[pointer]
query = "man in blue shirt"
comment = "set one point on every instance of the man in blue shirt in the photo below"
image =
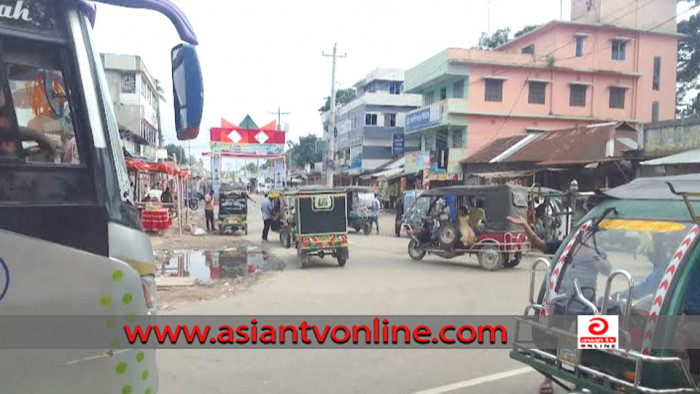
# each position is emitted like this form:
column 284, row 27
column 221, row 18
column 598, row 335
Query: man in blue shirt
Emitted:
column 266, row 208
column 376, row 206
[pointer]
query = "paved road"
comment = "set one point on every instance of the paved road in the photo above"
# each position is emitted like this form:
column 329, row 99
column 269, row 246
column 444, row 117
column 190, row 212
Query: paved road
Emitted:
column 380, row 279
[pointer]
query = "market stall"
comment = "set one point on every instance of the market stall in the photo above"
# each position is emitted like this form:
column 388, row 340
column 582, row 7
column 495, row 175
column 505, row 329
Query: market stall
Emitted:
column 157, row 215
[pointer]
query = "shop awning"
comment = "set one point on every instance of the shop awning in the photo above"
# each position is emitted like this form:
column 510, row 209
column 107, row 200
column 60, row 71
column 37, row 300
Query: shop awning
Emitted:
column 165, row 168
column 388, row 173
column 503, row 174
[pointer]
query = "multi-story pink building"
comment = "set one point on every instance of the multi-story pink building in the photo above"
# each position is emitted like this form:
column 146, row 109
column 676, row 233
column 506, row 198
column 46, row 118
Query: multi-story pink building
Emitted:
column 615, row 60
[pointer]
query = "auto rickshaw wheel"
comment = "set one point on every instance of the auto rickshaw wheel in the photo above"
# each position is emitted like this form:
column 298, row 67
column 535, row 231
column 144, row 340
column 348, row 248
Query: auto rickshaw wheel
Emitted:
column 490, row 258
column 341, row 261
column 285, row 238
column 302, row 258
column 447, row 233
column 415, row 251
column 367, row 228
column 516, row 260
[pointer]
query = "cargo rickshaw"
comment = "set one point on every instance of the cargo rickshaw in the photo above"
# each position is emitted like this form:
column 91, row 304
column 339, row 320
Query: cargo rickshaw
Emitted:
column 233, row 211
column 320, row 226
column 642, row 239
column 360, row 214
column 471, row 220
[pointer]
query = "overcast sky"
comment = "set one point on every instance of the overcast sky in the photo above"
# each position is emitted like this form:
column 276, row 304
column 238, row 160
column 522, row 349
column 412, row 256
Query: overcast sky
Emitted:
column 258, row 55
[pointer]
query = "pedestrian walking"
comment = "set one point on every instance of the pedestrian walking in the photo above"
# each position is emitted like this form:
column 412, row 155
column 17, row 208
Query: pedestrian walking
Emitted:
column 267, row 209
column 376, row 206
column 209, row 210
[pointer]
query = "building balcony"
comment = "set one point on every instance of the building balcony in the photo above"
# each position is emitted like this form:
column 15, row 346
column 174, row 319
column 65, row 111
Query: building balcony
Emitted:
column 436, row 115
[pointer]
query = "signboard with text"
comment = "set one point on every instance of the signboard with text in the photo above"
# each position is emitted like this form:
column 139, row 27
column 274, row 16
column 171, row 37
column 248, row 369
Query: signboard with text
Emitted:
column 398, row 145
column 422, row 118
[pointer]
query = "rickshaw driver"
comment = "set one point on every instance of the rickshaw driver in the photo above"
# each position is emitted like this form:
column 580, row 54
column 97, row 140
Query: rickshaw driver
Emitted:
column 584, row 268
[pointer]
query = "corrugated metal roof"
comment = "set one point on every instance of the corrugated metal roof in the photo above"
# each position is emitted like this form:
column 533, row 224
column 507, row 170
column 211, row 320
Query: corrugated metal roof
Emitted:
column 575, row 146
column 688, row 157
column 494, row 149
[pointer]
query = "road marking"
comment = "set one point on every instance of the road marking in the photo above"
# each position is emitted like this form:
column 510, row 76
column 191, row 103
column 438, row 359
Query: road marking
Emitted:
column 477, row 381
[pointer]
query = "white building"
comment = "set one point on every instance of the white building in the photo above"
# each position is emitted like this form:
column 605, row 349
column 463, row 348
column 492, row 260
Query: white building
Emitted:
column 136, row 101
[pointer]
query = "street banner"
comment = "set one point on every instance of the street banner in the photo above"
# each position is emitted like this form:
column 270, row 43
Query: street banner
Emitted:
column 247, row 139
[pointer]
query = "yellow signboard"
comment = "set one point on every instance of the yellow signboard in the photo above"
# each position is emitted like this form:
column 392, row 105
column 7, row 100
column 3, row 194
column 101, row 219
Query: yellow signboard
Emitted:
column 641, row 225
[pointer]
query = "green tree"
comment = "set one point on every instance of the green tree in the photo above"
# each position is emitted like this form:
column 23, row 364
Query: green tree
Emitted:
column 304, row 152
column 342, row 97
column 687, row 97
column 251, row 168
column 498, row 38
column 178, row 152
column 525, row 30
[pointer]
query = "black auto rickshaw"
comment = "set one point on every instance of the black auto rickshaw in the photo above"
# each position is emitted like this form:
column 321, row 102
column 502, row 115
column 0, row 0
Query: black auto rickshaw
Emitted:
column 471, row 220
column 645, row 235
column 360, row 215
column 320, row 225
column 233, row 211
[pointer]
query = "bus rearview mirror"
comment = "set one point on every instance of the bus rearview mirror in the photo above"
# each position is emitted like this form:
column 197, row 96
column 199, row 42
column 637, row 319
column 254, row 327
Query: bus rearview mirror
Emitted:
column 188, row 91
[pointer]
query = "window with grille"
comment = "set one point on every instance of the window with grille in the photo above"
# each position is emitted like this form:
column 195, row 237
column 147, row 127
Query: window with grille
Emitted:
column 619, row 49
column 537, row 92
column 457, row 138
column 128, row 83
column 579, row 46
column 395, row 87
column 577, row 96
column 389, row 120
column 458, row 89
column 656, row 82
column 617, row 98
column 494, row 90
column 371, row 119
column 528, row 50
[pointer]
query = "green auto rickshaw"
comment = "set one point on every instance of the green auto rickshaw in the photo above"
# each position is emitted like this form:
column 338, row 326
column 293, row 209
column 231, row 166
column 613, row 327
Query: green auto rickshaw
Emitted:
column 640, row 241
column 233, row 211
column 319, row 225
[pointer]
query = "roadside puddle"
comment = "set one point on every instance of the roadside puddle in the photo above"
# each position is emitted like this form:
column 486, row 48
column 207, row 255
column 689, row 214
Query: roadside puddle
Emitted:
column 207, row 267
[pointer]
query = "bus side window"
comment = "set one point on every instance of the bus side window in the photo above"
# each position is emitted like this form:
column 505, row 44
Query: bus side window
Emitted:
column 41, row 103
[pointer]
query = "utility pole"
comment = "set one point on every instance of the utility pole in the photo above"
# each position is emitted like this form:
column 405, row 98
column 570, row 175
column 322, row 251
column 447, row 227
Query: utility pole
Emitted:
column 279, row 114
column 331, row 135
column 488, row 28
column 561, row 10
